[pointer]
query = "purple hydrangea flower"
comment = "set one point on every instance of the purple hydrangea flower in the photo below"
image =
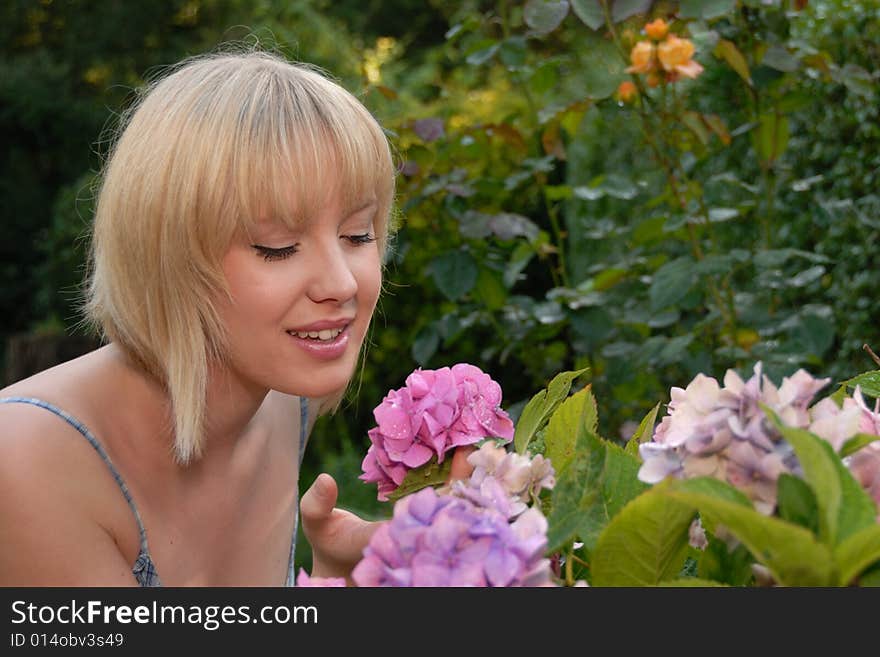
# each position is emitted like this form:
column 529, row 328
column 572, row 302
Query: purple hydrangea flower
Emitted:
column 444, row 540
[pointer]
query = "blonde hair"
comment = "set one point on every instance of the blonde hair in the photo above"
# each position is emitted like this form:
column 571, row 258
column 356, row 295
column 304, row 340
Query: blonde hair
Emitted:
column 221, row 141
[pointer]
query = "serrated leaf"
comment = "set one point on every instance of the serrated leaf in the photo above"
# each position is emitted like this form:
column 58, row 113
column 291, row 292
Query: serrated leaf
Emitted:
column 429, row 474
column 590, row 12
column 573, row 417
column 541, row 406
column 593, row 487
column 643, row 433
column 645, row 543
column 791, row 553
column 857, row 553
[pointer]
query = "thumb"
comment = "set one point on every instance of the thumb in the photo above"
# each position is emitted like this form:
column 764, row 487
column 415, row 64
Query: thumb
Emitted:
column 320, row 499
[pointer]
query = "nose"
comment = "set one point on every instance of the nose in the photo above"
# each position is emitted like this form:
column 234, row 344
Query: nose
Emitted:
column 332, row 277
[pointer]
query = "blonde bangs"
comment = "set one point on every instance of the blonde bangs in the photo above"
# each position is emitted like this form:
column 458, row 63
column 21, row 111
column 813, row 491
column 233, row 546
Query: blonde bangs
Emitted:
column 289, row 163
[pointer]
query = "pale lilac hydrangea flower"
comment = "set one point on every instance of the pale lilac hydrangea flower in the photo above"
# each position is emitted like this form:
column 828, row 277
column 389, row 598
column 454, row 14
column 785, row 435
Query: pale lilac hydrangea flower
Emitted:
column 435, row 412
column 506, row 481
column 443, row 540
column 723, row 433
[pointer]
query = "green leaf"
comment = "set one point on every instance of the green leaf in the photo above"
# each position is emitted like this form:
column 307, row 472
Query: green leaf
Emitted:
column 541, row 406
column 576, row 415
column 590, row 12
column 854, row 444
column 643, row 433
column 705, row 8
column 606, row 67
column 857, row 553
column 779, row 58
column 425, row 344
column 690, row 582
column 429, row 474
column 728, row 51
column 593, row 487
column 645, row 543
column 844, row 507
column 544, row 16
column 796, row 502
column 771, row 137
column 791, row 553
column 671, row 283
column 623, row 9
column 722, row 564
column 489, row 290
column 694, row 121
column 868, row 382
column 455, row 273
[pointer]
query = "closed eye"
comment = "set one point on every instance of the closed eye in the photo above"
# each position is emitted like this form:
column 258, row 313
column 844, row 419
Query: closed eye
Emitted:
column 269, row 254
column 363, row 238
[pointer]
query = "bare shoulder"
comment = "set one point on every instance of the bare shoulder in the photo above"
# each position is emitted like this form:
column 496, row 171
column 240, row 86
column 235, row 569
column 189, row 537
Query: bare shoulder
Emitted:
column 60, row 514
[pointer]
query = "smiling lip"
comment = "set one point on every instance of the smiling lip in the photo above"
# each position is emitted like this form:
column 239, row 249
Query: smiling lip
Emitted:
column 323, row 349
column 323, row 324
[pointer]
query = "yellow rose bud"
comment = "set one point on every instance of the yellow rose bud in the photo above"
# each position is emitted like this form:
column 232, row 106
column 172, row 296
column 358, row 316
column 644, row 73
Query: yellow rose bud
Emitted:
column 675, row 52
column 627, row 91
column 642, row 58
column 657, row 29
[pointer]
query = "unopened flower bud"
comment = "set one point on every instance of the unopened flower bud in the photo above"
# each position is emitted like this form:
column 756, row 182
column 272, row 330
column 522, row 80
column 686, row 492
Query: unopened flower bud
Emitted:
column 657, row 29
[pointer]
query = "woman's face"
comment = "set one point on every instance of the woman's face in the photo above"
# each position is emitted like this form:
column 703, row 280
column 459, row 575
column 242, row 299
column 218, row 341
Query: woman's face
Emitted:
column 301, row 301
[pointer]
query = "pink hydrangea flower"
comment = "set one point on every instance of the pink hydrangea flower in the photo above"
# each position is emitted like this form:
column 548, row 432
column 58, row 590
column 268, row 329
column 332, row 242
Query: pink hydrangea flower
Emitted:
column 435, row 412
column 305, row 580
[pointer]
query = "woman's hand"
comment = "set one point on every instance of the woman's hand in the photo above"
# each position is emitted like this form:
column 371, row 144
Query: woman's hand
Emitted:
column 338, row 537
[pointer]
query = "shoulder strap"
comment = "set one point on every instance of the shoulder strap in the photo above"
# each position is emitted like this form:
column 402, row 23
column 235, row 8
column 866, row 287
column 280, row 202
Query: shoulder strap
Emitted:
column 303, row 439
column 79, row 426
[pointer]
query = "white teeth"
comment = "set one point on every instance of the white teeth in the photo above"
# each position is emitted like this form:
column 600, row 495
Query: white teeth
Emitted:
column 325, row 335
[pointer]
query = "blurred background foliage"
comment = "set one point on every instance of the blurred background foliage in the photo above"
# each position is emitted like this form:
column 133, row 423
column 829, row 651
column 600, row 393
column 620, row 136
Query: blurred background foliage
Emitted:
column 543, row 223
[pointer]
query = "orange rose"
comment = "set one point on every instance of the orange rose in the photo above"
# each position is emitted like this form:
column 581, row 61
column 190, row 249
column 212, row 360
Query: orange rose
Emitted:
column 657, row 29
column 627, row 91
column 675, row 57
column 642, row 58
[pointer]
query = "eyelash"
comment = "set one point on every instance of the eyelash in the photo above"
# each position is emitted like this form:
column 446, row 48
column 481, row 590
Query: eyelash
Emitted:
column 270, row 254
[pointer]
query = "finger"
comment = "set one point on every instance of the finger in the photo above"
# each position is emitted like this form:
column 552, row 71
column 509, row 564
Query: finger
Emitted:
column 320, row 499
column 461, row 468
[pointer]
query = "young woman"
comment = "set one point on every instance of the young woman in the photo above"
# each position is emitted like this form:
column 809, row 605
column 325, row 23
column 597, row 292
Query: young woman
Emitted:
column 236, row 262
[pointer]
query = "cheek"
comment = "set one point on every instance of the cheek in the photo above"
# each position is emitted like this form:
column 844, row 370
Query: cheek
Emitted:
column 369, row 281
